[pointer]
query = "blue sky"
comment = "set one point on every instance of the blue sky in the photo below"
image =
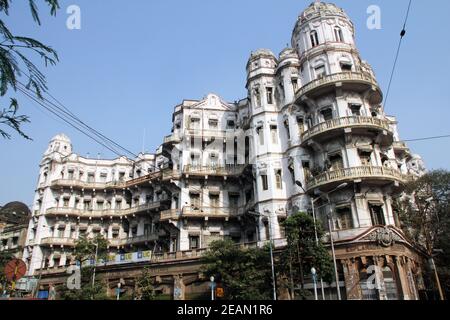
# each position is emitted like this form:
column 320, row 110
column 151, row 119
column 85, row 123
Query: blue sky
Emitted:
column 133, row 61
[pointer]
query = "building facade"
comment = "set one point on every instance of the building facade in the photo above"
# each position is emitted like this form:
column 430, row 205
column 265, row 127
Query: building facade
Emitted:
column 14, row 219
column 310, row 136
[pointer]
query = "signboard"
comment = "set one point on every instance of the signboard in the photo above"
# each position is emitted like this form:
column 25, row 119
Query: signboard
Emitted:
column 114, row 259
column 15, row 269
column 220, row 292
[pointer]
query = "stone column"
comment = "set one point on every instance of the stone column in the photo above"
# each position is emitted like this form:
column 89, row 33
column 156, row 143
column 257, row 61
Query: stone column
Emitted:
column 351, row 276
column 403, row 277
column 178, row 288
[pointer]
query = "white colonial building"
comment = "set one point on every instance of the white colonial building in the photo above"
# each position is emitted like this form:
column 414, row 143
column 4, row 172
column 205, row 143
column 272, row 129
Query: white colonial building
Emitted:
column 311, row 128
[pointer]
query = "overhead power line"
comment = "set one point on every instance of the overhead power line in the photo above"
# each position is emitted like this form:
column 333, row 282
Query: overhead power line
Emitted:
column 402, row 34
column 428, row 138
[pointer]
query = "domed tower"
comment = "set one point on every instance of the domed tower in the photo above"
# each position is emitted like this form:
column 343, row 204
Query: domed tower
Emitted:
column 352, row 175
column 59, row 144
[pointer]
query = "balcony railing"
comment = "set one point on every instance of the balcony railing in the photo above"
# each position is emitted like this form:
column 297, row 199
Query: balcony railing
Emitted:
column 172, row 214
column 232, row 170
column 337, row 77
column 74, row 183
column 173, row 138
column 105, row 213
column 210, row 133
column 53, row 241
column 355, row 173
column 210, row 212
column 345, row 122
column 133, row 240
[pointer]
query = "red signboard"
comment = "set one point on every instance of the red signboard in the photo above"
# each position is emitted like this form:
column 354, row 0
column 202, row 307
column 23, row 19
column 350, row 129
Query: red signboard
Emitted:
column 15, row 269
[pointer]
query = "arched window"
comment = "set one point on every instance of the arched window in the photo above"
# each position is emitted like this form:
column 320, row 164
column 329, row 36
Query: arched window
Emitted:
column 390, row 284
column 314, row 38
column 338, row 35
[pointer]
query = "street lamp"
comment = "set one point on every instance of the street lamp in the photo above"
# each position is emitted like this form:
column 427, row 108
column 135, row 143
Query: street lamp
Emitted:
column 271, row 250
column 119, row 285
column 213, row 285
column 95, row 264
column 314, row 274
column 329, row 216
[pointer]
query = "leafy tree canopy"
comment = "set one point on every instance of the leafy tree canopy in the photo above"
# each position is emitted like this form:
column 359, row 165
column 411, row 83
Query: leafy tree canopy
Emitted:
column 245, row 274
column 16, row 62
column 85, row 248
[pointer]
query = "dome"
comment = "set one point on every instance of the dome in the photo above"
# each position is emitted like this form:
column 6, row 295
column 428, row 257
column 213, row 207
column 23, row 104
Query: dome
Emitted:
column 288, row 53
column 61, row 137
column 15, row 211
column 321, row 8
column 262, row 52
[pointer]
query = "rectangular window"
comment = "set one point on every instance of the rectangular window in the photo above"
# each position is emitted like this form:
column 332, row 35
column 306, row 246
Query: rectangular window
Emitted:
column 320, row 72
column 336, row 162
column 377, row 215
column 327, row 114
column 70, row 176
column 344, row 220
column 278, row 179
column 265, row 183
column 295, row 84
column 274, row 134
column 269, row 95
column 286, row 126
column 365, row 158
column 338, row 35
column 314, row 38
column 87, row 205
column 260, row 133
column 301, row 124
column 234, row 201
column 194, row 242
column 214, row 200
column 103, row 176
column 91, row 177
column 66, row 202
column 195, row 201
column 355, row 109
column 100, row 205
column 195, row 123
column 231, row 124
column 213, row 123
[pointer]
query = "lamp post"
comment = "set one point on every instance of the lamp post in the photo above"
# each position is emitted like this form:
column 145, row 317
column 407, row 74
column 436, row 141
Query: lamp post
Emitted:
column 119, row 285
column 314, row 274
column 271, row 250
column 213, row 285
column 95, row 264
column 330, row 229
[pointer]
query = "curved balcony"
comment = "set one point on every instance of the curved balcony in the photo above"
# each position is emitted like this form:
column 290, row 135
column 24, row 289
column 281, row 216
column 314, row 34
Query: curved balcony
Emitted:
column 357, row 124
column 71, row 212
column 133, row 241
column 205, row 171
column 357, row 81
column 78, row 184
column 209, row 212
column 171, row 214
column 377, row 175
column 172, row 139
column 63, row 242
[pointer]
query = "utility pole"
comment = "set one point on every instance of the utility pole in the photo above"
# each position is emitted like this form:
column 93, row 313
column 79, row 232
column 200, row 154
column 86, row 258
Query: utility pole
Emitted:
column 95, row 265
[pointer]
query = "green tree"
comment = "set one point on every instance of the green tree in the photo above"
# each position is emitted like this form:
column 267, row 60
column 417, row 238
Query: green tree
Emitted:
column 5, row 257
column 16, row 62
column 425, row 218
column 244, row 273
column 85, row 249
column 145, row 285
column 87, row 291
column 303, row 251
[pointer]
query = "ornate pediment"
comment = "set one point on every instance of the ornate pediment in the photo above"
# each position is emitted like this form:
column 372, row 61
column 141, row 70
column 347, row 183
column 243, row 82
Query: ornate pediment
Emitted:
column 213, row 102
column 384, row 236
